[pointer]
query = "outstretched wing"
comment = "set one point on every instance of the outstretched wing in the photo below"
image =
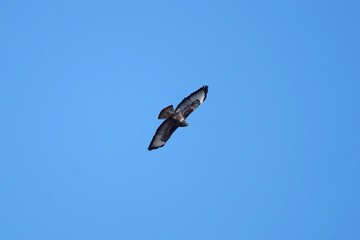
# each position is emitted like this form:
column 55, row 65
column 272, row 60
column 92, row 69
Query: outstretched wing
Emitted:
column 191, row 102
column 162, row 134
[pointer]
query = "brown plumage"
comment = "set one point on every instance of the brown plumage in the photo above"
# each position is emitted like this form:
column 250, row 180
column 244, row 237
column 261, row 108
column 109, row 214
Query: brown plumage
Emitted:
column 176, row 118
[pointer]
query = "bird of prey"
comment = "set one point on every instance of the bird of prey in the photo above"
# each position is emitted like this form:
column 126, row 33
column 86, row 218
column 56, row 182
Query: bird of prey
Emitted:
column 176, row 118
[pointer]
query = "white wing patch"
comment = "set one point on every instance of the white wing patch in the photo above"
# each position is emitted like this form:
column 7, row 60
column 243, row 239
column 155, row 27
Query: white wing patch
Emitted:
column 162, row 134
column 199, row 95
column 157, row 142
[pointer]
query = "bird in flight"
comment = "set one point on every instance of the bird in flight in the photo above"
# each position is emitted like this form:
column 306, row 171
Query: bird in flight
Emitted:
column 176, row 118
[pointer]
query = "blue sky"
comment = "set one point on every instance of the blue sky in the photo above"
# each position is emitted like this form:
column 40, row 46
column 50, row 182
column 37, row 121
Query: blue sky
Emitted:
column 273, row 153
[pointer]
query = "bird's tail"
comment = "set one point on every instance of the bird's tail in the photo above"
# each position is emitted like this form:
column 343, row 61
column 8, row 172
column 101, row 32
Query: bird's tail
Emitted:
column 166, row 112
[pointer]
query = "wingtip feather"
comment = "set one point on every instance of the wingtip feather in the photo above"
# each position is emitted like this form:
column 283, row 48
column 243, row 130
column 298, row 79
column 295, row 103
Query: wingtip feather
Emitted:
column 205, row 87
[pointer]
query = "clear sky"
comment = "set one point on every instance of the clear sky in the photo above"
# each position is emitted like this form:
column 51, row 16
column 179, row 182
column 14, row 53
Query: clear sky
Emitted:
column 273, row 152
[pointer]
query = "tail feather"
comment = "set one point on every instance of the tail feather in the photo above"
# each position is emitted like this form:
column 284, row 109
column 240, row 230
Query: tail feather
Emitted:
column 166, row 112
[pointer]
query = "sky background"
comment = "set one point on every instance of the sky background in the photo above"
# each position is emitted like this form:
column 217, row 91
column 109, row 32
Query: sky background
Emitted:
column 273, row 152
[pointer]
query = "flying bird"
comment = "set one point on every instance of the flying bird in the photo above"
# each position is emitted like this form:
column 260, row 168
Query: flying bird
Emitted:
column 176, row 118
